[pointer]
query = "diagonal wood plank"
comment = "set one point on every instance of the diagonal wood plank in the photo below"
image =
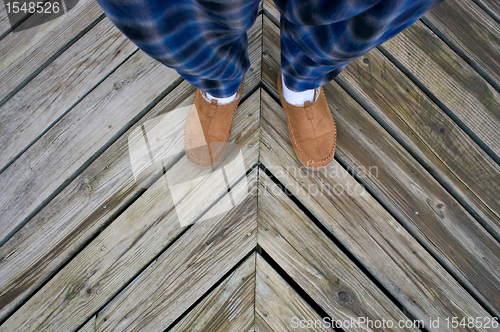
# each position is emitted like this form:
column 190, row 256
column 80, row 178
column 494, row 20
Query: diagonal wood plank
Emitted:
column 471, row 31
column 89, row 326
column 429, row 133
column 450, row 80
column 23, row 52
column 373, row 236
column 134, row 239
column 316, row 263
column 229, row 307
column 492, row 7
column 4, row 20
column 183, row 273
column 95, row 121
column 261, row 325
column 76, row 214
column 279, row 305
column 65, row 224
column 59, row 86
column 404, row 187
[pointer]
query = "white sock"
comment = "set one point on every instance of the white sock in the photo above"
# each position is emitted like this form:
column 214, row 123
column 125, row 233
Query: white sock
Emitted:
column 222, row 101
column 296, row 98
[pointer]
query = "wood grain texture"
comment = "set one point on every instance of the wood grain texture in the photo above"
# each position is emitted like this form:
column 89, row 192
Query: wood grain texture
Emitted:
column 492, row 7
column 229, row 307
column 183, row 273
column 271, row 11
column 451, row 80
column 366, row 229
column 279, row 304
column 134, row 239
column 59, row 86
column 63, row 149
column 471, row 30
column 89, row 326
column 316, row 264
column 428, row 132
column 86, row 205
column 76, row 214
column 406, row 188
column 261, row 325
column 4, row 20
column 16, row 19
column 24, row 52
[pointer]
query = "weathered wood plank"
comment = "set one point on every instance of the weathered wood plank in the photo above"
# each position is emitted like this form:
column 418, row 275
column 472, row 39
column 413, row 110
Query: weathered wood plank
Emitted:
column 279, row 305
column 271, row 11
column 16, row 19
column 24, row 52
column 59, row 230
column 229, row 307
column 451, row 80
column 89, row 326
column 316, row 263
column 139, row 235
column 205, row 253
column 405, row 187
column 93, row 122
column 471, row 30
column 4, row 20
column 428, row 132
column 59, row 86
column 369, row 232
column 261, row 325
column 77, row 213
column 492, row 7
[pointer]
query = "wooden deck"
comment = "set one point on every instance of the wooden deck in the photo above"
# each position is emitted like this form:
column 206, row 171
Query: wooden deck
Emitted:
column 404, row 225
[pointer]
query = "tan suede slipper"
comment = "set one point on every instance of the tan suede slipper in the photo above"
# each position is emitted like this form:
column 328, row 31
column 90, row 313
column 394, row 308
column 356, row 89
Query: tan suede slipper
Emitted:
column 312, row 129
column 208, row 128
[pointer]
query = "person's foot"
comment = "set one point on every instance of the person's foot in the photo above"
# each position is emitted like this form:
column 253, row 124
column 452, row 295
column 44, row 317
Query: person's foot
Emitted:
column 208, row 128
column 311, row 128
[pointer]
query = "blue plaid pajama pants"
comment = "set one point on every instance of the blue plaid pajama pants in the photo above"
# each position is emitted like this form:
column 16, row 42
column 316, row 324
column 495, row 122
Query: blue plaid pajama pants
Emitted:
column 206, row 41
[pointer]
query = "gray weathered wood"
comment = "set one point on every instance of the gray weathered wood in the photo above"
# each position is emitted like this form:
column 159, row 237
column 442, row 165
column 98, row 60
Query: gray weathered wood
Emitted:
column 63, row 149
column 59, row 86
column 261, row 325
column 181, row 275
column 271, row 11
column 4, row 20
column 451, row 80
column 89, row 326
column 77, row 213
column 429, row 133
column 427, row 130
column 316, row 263
column 405, row 187
column 492, row 7
column 74, row 216
column 366, row 229
column 279, row 305
column 471, row 30
column 135, row 238
column 229, row 307
column 24, row 52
